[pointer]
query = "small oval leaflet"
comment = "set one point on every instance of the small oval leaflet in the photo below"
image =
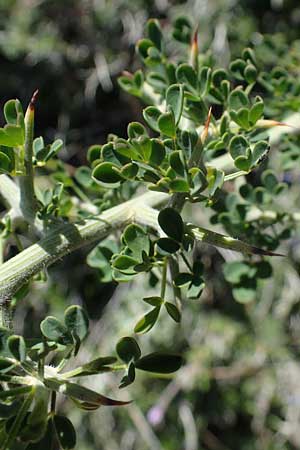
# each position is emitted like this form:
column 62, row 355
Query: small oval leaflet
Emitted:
column 160, row 362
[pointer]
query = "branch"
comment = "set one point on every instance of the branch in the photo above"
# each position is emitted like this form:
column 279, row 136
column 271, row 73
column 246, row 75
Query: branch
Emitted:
column 68, row 237
column 10, row 193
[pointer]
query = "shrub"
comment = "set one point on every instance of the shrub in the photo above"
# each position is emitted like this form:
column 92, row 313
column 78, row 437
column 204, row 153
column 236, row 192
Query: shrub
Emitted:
column 205, row 137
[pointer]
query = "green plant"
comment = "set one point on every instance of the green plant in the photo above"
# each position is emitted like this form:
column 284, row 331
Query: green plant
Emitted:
column 204, row 136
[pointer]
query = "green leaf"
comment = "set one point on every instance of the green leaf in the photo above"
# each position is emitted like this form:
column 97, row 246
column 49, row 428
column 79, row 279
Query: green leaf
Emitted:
column 238, row 99
column 160, row 362
column 14, row 115
column 174, row 100
column 167, row 246
column 183, row 279
column 171, row 223
column 179, row 185
column 236, row 270
column 65, row 432
column 83, row 176
column 215, row 178
column 189, row 139
column 238, row 146
column 10, row 111
column 155, row 33
column 77, row 321
column 166, row 124
column 250, row 73
column 270, row 180
column 264, row 269
column 137, row 240
column 186, row 75
column 173, row 311
column 11, row 136
column 158, row 152
column 157, row 81
column 106, row 173
column 260, row 150
column 242, row 118
column 109, row 155
column 17, row 347
column 256, row 111
column 128, row 349
column 129, row 171
column 151, row 115
column 136, row 130
column 143, row 46
column 94, row 153
column 125, row 264
column 182, row 31
column 100, row 258
column 218, row 76
column 54, row 330
column 237, row 68
column 244, row 162
column 127, row 83
column 147, row 321
column 143, row 146
column 177, row 163
column 129, row 377
column 55, row 147
column 248, row 54
column 153, row 301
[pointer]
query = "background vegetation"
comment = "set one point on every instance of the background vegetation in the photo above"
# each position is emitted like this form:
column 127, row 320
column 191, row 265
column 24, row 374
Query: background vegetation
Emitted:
column 240, row 388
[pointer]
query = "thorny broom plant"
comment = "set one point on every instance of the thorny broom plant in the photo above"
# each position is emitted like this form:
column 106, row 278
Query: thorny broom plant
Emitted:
column 204, row 134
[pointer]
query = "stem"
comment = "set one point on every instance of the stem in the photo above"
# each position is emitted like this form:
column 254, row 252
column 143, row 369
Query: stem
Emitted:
column 186, row 261
column 164, row 279
column 28, row 204
column 68, row 237
column 177, row 201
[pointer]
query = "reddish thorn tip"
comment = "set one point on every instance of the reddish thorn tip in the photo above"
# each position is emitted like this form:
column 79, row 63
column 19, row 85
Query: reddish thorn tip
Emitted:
column 33, row 99
column 195, row 36
column 208, row 118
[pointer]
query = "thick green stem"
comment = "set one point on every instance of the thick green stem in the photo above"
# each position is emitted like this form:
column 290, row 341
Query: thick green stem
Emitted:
column 28, row 203
column 164, row 279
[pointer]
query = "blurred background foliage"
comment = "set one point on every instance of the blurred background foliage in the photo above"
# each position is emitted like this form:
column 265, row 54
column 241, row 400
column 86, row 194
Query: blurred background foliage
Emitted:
column 240, row 387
